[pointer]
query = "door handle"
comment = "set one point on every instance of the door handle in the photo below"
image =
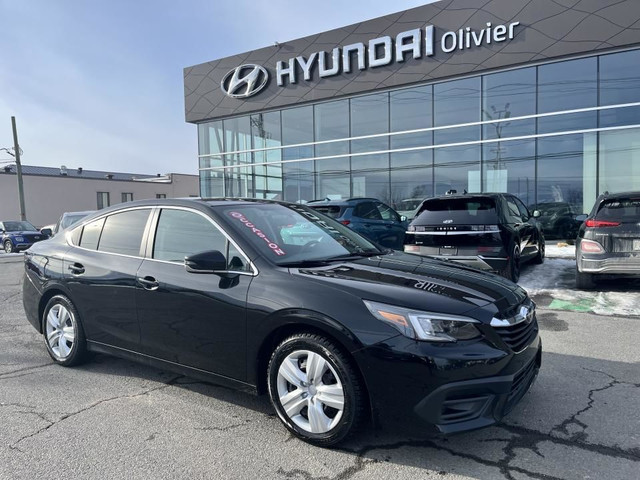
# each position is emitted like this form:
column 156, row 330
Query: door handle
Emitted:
column 148, row 283
column 76, row 269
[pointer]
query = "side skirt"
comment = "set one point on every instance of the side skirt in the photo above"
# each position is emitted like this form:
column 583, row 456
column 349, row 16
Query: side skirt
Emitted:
column 155, row 362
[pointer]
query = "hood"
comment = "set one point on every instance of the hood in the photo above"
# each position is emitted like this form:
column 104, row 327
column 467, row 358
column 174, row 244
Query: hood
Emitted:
column 25, row 233
column 421, row 283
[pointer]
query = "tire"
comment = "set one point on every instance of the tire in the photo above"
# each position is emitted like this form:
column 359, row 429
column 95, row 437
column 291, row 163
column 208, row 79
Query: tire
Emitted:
column 539, row 258
column 8, row 247
column 338, row 380
column 63, row 333
column 512, row 269
column 584, row 281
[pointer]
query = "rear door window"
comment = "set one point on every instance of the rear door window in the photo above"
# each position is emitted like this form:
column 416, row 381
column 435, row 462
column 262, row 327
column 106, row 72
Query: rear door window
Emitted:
column 367, row 210
column 122, row 232
column 91, row 234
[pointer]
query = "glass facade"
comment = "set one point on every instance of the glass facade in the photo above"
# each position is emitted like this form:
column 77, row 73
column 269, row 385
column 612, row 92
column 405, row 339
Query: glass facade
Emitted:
column 556, row 132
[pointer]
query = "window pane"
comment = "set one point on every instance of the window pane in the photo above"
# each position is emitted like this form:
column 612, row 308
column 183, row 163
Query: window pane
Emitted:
column 297, row 127
column 210, row 138
column 457, row 168
column 566, row 86
column 457, row 102
column 334, row 185
column 567, row 170
column 411, row 109
column 103, row 200
column 409, row 187
column 180, row 234
column 298, row 181
column 373, row 183
column 370, row 116
column 620, row 83
column 235, row 260
column 420, row 158
column 620, row 161
column 331, row 123
column 510, row 167
column 506, row 95
column 122, row 232
column 91, row 234
column 237, row 134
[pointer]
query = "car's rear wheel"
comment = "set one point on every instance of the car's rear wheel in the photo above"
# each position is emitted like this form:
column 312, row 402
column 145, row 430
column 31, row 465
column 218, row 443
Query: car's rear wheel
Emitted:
column 63, row 333
column 584, row 281
column 315, row 390
column 512, row 269
column 8, row 246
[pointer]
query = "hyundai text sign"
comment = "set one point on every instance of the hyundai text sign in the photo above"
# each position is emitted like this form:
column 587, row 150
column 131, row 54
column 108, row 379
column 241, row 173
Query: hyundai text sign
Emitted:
column 247, row 80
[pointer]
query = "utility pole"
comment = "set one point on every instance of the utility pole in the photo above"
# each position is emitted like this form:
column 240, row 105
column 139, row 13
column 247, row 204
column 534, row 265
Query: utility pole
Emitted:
column 16, row 150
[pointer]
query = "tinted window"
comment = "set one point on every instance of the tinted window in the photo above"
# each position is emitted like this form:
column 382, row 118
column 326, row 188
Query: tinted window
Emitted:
column 181, row 233
column 332, row 211
column 513, row 214
column 91, row 234
column 524, row 213
column 387, row 212
column 458, row 210
column 620, row 209
column 122, row 232
column 367, row 210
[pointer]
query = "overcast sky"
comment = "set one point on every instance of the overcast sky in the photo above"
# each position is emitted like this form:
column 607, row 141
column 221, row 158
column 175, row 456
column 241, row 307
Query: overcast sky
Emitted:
column 98, row 84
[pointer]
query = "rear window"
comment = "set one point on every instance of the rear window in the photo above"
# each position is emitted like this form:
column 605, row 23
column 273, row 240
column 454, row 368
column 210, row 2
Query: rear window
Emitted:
column 332, row 211
column 457, row 210
column 622, row 209
column 122, row 232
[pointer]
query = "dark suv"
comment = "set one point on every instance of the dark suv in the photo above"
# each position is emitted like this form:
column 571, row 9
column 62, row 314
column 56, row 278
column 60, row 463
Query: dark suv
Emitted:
column 609, row 239
column 490, row 231
column 367, row 216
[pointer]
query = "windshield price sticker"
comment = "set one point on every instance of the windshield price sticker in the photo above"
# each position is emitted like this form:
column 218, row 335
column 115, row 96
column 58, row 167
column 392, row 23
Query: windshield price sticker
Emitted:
column 275, row 248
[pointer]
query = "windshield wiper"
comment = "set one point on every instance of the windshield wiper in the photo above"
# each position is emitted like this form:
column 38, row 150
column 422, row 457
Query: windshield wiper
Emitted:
column 354, row 256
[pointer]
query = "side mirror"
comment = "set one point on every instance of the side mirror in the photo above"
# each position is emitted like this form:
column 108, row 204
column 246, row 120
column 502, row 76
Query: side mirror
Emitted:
column 211, row 261
column 536, row 213
column 403, row 218
column 581, row 218
column 46, row 231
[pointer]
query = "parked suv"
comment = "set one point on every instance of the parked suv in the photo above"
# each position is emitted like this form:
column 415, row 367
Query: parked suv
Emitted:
column 367, row 216
column 490, row 231
column 609, row 239
column 19, row 235
column 276, row 298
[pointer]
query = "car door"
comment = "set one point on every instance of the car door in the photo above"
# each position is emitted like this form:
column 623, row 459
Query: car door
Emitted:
column 516, row 224
column 530, row 229
column 368, row 221
column 394, row 229
column 194, row 319
column 100, row 272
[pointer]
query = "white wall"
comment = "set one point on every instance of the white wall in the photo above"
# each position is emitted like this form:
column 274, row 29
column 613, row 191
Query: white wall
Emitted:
column 46, row 198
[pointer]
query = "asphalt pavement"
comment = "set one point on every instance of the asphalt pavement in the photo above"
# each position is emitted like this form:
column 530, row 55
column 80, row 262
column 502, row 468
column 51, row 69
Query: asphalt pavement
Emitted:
column 112, row 418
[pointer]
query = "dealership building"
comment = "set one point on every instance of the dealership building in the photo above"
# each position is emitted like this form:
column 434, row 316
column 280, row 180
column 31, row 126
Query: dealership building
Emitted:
column 539, row 98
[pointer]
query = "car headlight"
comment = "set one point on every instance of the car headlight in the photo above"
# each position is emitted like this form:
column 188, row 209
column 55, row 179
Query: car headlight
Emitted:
column 428, row 326
column 19, row 239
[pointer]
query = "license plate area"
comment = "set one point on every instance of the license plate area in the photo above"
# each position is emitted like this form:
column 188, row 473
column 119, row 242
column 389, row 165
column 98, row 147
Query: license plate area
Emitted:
column 636, row 244
column 447, row 250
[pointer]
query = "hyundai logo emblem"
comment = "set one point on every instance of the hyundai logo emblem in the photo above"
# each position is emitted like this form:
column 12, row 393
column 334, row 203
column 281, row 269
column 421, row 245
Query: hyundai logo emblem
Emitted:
column 244, row 81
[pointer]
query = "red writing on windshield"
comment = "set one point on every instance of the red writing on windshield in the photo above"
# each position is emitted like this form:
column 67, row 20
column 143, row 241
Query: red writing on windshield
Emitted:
column 275, row 248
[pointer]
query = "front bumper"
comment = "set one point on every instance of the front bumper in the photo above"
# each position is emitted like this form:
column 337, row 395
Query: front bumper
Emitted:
column 447, row 388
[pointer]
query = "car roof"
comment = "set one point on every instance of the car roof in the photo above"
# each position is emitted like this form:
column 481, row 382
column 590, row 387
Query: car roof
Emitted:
column 342, row 202
column 86, row 212
column 608, row 196
column 470, row 195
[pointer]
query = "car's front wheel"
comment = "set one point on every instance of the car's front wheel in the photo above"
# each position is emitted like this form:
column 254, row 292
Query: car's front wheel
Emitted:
column 63, row 333
column 8, row 246
column 315, row 390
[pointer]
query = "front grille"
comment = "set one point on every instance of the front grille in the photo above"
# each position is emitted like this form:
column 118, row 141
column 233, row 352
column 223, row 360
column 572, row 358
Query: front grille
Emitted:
column 520, row 335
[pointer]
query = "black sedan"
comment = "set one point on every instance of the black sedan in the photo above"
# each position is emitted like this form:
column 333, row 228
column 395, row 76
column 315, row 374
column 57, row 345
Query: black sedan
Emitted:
column 488, row 231
column 332, row 328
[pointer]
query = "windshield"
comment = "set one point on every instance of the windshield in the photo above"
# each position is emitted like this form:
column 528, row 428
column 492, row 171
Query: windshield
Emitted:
column 19, row 227
column 410, row 204
column 69, row 220
column 288, row 234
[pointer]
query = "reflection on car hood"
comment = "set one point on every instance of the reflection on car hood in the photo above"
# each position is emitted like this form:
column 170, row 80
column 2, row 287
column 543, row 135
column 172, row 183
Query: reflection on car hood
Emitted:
column 420, row 283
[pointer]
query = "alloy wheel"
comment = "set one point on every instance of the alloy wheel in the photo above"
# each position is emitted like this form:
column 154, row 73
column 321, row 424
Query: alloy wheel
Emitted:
column 8, row 246
column 60, row 331
column 310, row 391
